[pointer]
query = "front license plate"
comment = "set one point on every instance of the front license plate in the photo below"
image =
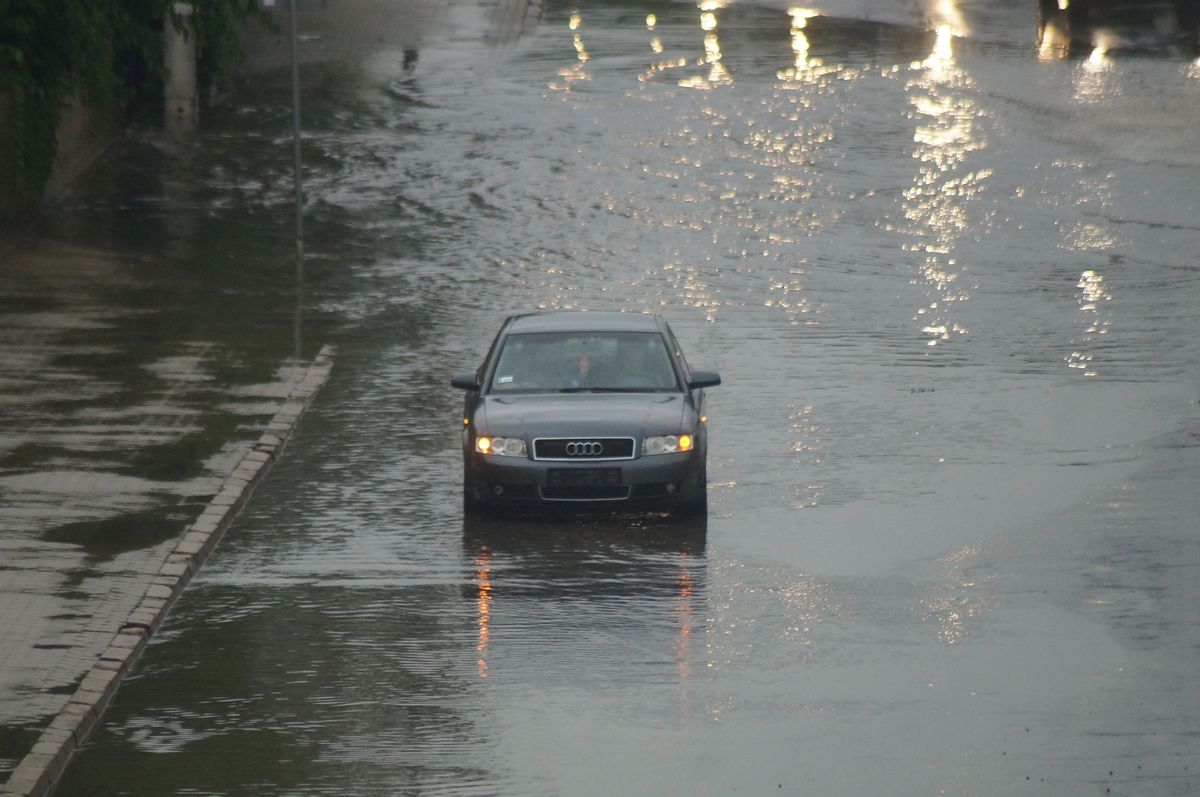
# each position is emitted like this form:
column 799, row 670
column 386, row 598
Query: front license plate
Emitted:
column 583, row 477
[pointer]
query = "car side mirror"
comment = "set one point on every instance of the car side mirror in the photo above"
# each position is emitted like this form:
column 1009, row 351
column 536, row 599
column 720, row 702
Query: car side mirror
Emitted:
column 703, row 379
column 464, row 381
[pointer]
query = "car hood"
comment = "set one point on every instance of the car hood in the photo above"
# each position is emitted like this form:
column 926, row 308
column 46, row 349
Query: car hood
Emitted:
column 573, row 414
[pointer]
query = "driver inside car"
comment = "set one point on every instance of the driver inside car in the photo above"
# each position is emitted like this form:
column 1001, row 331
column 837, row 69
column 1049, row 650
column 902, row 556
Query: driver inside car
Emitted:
column 583, row 373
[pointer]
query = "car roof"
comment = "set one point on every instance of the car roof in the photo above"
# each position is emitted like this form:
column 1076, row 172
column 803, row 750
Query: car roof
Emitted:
column 583, row 321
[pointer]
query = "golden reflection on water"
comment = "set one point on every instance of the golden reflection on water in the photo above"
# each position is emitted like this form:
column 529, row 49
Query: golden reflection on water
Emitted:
column 1093, row 84
column 483, row 610
column 806, row 450
column 779, row 147
column 1088, row 236
column 1053, row 46
column 685, row 619
column 1094, row 197
column 1092, row 294
column 717, row 75
column 655, row 43
column 937, row 204
column 576, row 71
column 806, row 604
column 954, row 603
column 800, row 46
column 942, row 56
column 803, row 68
column 690, row 288
column 759, row 603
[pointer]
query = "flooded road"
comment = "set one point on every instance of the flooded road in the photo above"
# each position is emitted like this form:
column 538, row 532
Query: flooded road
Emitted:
column 950, row 283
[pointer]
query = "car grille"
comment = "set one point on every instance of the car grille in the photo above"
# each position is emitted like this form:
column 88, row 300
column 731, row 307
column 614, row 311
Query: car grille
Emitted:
column 583, row 449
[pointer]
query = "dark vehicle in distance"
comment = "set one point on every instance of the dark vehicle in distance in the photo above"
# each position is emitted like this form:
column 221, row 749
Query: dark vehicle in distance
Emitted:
column 1140, row 24
column 577, row 408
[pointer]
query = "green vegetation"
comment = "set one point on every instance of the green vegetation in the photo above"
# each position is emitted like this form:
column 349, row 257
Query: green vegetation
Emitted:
column 106, row 52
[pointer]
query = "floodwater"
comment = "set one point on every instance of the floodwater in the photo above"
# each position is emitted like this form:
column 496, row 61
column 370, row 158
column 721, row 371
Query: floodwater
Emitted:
column 950, row 282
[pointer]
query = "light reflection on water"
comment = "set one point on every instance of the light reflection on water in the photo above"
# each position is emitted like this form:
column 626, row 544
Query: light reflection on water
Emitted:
column 801, row 65
column 1093, row 294
column 940, row 203
column 577, row 70
column 1093, row 83
column 959, row 603
column 717, row 74
column 483, row 608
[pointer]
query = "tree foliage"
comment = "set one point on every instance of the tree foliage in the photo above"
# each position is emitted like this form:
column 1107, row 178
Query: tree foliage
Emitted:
column 106, row 52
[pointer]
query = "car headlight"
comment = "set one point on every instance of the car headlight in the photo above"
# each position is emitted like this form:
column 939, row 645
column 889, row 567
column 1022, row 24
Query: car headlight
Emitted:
column 501, row 446
column 668, row 444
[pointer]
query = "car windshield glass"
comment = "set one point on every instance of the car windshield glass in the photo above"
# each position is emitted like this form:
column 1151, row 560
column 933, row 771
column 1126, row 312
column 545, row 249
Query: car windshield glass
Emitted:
column 635, row 362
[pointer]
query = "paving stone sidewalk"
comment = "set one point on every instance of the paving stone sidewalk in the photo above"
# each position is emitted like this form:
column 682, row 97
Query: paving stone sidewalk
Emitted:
column 117, row 427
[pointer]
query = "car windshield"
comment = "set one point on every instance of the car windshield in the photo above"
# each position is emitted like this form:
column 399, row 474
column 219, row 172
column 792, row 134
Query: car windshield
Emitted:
column 633, row 362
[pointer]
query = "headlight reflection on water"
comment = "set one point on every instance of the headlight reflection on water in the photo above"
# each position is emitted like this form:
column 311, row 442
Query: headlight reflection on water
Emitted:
column 483, row 610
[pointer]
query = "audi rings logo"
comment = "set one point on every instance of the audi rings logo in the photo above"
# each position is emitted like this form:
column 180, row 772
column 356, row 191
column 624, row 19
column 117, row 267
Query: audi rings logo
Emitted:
column 584, row 448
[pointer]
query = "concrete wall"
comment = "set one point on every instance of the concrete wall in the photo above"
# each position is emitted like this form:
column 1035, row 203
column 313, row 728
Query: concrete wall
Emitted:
column 8, row 189
column 83, row 134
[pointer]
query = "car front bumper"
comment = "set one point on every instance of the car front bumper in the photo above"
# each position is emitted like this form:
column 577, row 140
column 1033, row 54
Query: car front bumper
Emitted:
column 662, row 478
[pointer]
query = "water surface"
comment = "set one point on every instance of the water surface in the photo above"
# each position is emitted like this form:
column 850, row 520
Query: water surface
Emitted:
column 949, row 282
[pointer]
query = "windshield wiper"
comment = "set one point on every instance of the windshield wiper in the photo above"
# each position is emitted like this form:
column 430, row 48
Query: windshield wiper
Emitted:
column 604, row 390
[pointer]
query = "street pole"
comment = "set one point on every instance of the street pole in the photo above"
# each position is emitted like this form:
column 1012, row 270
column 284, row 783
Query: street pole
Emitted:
column 296, row 183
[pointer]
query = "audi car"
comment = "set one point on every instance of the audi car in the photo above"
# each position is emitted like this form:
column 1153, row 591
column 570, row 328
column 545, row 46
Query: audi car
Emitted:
column 578, row 408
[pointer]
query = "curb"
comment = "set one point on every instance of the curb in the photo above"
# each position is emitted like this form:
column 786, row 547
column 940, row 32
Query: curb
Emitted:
column 39, row 771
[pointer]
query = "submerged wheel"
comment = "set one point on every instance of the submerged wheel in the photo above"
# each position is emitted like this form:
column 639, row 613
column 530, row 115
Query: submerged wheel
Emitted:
column 694, row 499
column 471, row 503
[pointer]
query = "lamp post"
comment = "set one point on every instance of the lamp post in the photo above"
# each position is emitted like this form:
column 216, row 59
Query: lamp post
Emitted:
column 297, row 185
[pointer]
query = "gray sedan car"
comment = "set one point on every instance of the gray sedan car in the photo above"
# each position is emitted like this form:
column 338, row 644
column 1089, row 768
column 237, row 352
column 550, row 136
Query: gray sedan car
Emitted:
column 585, row 408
